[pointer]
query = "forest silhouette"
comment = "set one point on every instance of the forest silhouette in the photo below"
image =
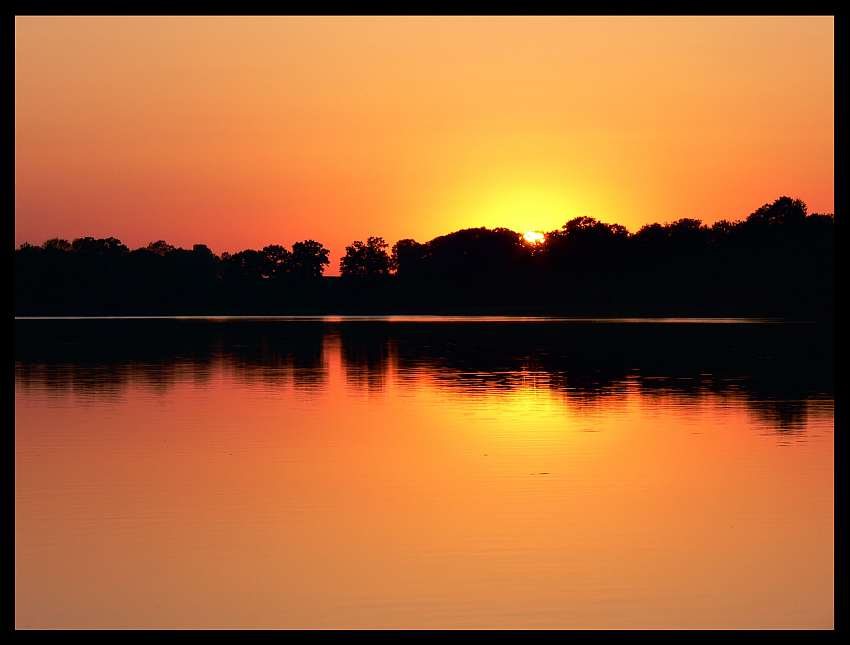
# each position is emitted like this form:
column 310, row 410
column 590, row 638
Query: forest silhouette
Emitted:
column 777, row 261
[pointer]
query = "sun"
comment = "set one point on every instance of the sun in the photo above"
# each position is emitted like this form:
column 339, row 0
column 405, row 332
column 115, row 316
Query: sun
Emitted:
column 533, row 237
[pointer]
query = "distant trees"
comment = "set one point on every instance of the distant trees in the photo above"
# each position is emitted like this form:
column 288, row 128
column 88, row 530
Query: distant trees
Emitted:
column 56, row 244
column 369, row 260
column 90, row 246
column 276, row 261
column 780, row 256
column 585, row 243
column 247, row 265
column 782, row 212
column 308, row 259
column 160, row 247
column 102, row 275
column 407, row 256
column 475, row 252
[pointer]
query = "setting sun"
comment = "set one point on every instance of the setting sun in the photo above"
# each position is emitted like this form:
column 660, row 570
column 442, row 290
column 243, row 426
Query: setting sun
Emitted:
column 533, row 237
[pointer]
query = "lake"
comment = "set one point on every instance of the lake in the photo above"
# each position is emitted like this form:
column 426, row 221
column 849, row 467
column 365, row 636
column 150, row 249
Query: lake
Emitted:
column 423, row 472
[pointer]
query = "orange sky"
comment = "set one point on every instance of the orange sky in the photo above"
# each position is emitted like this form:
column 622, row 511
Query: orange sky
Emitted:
column 240, row 132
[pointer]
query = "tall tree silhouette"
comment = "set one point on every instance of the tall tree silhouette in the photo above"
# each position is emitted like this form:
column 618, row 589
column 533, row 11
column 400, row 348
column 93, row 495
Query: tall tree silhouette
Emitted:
column 309, row 259
column 277, row 261
column 366, row 260
column 407, row 257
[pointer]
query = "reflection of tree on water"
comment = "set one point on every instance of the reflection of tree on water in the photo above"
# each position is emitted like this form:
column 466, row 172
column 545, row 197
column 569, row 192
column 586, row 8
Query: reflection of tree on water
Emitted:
column 106, row 355
column 365, row 356
column 782, row 416
column 773, row 369
column 278, row 356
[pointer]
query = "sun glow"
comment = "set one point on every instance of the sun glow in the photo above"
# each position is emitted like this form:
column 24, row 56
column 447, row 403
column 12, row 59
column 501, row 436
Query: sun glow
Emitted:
column 534, row 237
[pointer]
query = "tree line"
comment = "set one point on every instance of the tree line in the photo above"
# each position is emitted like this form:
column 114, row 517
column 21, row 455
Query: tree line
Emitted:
column 777, row 260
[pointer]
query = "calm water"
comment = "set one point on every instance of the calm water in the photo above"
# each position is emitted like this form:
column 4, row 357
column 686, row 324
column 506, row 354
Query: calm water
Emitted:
column 423, row 473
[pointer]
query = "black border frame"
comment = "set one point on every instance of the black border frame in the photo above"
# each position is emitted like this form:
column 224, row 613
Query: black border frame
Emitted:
column 492, row 7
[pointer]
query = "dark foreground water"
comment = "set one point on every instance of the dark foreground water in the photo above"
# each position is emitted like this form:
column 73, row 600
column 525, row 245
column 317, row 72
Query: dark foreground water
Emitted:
column 423, row 473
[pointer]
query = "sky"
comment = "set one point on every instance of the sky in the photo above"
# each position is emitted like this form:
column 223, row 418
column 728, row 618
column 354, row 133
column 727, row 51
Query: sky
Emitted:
column 238, row 132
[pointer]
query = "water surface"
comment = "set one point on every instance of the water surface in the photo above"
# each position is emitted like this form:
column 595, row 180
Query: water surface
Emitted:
column 374, row 472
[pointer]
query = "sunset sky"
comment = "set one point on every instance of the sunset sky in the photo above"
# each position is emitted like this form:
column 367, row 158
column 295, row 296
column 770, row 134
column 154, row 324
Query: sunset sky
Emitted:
column 241, row 132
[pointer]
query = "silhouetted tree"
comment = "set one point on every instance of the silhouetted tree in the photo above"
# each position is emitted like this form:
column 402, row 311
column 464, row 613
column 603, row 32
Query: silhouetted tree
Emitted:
column 407, row 256
column 721, row 230
column 585, row 243
column 475, row 252
column 98, row 247
column 782, row 212
column 204, row 261
column 369, row 260
column 246, row 266
column 277, row 261
column 687, row 236
column 309, row 259
column 56, row 244
column 160, row 247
